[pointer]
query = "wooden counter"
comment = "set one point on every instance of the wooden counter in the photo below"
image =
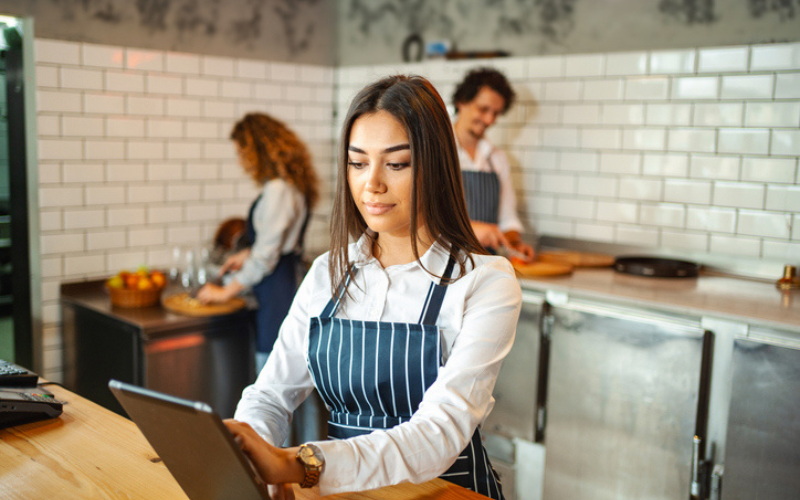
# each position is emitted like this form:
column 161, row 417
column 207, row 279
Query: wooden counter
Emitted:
column 91, row 453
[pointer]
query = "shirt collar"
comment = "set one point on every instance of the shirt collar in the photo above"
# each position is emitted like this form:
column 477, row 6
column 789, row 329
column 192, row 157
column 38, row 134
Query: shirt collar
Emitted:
column 483, row 150
column 434, row 260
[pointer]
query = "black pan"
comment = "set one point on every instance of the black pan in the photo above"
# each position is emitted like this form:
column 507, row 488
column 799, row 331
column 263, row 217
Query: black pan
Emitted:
column 656, row 267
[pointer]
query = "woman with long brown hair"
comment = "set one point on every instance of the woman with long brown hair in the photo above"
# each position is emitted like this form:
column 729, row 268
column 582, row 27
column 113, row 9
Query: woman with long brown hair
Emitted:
column 278, row 161
column 403, row 332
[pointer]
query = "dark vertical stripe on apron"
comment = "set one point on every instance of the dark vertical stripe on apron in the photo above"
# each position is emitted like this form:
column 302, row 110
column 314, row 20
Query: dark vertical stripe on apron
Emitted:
column 482, row 194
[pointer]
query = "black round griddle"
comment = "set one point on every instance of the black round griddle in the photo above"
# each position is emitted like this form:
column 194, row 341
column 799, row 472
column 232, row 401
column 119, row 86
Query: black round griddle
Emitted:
column 656, row 267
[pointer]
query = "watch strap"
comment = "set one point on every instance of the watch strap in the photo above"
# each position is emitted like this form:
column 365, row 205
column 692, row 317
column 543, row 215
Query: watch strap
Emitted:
column 312, row 472
column 312, row 476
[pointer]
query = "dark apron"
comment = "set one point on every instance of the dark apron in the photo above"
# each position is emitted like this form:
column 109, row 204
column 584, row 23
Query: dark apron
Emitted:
column 400, row 361
column 482, row 194
column 275, row 292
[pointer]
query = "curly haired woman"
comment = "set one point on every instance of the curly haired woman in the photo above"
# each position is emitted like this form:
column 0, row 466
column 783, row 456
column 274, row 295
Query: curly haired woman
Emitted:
column 278, row 160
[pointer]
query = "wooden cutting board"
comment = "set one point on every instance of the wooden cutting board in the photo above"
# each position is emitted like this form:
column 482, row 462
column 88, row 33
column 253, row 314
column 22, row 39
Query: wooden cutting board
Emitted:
column 577, row 259
column 543, row 269
column 182, row 303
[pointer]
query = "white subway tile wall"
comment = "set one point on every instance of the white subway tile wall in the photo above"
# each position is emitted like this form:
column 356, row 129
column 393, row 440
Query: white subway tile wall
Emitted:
column 134, row 156
column 691, row 150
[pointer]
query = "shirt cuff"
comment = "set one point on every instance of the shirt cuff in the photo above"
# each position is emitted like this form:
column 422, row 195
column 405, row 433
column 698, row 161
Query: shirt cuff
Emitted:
column 339, row 474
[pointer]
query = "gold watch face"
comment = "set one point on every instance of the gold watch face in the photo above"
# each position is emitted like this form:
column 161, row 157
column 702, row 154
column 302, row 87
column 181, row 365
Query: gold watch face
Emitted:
column 308, row 456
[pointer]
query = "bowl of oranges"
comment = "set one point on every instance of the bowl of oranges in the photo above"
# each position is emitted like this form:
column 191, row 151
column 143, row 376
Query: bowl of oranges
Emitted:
column 136, row 289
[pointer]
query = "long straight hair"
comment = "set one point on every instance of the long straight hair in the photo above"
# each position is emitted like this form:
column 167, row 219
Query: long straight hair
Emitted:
column 437, row 198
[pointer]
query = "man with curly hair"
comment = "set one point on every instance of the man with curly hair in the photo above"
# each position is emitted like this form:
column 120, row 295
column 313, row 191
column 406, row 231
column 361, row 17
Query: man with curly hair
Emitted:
column 480, row 99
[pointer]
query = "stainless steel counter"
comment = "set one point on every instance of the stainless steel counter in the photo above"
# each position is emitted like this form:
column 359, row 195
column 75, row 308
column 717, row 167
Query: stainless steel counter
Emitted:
column 208, row 359
column 152, row 322
column 745, row 300
column 617, row 350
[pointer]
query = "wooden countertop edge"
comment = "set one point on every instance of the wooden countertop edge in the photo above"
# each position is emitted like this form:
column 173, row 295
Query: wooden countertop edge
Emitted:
column 91, row 452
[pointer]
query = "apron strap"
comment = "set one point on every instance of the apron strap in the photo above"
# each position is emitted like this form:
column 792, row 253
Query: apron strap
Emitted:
column 298, row 247
column 250, row 231
column 430, row 313
column 333, row 303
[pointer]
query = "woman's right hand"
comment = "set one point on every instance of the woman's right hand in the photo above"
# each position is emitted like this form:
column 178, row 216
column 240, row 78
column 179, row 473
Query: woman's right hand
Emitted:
column 235, row 261
column 277, row 467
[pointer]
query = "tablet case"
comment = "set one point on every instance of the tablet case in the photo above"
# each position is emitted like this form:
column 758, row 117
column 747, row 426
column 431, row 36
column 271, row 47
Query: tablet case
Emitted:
column 193, row 442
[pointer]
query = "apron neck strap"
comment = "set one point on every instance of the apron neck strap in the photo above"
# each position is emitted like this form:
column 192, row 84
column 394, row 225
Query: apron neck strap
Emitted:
column 333, row 303
column 433, row 302
column 430, row 313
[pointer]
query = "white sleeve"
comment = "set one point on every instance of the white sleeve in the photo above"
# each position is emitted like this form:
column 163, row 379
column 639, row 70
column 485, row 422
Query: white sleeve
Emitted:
column 285, row 381
column 507, row 218
column 273, row 218
column 451, row 409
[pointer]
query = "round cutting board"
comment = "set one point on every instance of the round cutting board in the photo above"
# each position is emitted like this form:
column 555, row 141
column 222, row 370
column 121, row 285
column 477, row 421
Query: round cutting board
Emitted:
column 182, row 303
column 543, row 269
column 577, row 259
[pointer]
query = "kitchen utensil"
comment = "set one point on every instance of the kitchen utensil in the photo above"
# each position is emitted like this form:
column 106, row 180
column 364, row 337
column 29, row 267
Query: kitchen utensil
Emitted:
column 543, row 269
column 577, row 259
column 656, row 267
column 183, row 304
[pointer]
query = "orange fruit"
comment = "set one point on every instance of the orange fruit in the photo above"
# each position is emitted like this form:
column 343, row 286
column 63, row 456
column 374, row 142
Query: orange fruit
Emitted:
column 132, row 281
column 144, row 284
column 158, row 279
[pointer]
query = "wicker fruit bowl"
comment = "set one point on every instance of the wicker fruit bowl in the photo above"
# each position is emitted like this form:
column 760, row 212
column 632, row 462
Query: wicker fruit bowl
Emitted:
column 132, row 290
column 122, row 297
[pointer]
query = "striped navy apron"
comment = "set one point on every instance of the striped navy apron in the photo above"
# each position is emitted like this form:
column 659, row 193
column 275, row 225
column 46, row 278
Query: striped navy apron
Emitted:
column 275, row 292
column 482, row 194
column 373, row 375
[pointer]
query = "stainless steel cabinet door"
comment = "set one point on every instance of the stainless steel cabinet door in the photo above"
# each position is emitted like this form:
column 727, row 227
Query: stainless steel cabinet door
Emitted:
column 622, row 398
column 513, row 415
column 762, row 456
column 213, row 366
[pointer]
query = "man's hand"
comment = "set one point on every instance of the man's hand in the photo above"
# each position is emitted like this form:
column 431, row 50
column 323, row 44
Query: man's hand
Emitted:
column 489, row 235
column 515, row 242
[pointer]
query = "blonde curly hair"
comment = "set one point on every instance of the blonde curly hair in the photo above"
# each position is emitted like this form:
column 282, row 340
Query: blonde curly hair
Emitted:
column 274, row 151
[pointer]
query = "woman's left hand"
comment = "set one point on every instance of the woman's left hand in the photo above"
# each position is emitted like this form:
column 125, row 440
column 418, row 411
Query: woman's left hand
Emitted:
column 218, row 294
column 276, row 466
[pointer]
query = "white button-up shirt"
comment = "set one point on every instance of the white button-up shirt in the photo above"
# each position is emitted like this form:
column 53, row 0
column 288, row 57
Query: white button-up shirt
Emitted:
column 278, row 221
column 477, row 321
column 490, row 159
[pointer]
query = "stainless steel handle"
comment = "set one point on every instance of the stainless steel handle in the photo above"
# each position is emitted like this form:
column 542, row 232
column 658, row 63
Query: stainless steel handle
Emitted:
column 716, row 482
column 695, row 488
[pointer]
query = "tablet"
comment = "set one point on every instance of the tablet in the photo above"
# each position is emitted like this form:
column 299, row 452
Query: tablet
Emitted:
column 193, row 442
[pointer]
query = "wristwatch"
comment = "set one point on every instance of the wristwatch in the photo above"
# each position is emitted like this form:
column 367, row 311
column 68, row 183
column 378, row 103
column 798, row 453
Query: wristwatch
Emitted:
column 310, row 456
